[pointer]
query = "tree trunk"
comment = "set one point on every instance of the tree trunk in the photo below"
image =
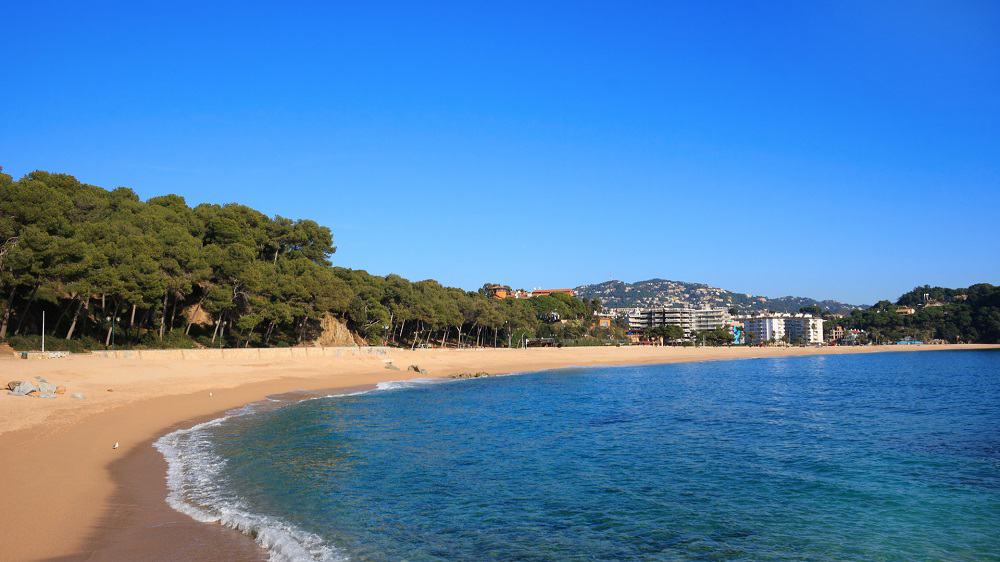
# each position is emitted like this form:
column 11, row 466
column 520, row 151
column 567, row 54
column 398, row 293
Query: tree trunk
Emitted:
column 392, row 328
column 163, row 315
column 6, row 313
column 147, row 318
column 111, row 326
column 302, row 328
column 173, row 312
column 197, row 307
column 54, row 328
column 218, row 322
column 72, row 326
column 496, row 331
column 267, row 336
column 444, row 335
column 24, row 313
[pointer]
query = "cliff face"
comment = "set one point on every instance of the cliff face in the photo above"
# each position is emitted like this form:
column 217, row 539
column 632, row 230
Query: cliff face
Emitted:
column 336, row 334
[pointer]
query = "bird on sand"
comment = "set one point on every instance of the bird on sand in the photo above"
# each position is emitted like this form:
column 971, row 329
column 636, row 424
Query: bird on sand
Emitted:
column 115, row 445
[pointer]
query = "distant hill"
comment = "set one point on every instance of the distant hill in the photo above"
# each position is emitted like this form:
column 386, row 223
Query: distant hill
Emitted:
column 665, row 293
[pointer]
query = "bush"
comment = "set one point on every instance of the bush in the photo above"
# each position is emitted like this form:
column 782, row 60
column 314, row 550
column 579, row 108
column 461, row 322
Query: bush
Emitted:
column 34, row 343
column 171, row 340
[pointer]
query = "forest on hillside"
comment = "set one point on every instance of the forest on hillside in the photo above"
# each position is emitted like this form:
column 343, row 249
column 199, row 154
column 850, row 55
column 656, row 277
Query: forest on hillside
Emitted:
column 969, row 315
column 107, row 268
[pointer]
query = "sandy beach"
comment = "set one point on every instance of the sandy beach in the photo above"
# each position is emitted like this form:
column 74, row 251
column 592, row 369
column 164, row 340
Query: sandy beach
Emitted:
column 68, row 495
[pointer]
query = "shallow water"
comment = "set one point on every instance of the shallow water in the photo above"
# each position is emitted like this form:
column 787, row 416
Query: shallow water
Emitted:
column 878, row 456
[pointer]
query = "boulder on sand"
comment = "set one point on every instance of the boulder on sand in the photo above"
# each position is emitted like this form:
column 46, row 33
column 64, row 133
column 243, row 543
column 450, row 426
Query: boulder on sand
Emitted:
column 23, row 389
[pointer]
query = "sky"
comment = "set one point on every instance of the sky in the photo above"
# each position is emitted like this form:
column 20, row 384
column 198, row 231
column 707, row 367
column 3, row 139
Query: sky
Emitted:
column 843, row 150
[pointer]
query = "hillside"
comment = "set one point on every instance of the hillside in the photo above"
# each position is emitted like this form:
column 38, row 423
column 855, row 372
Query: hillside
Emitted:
column 665, row 293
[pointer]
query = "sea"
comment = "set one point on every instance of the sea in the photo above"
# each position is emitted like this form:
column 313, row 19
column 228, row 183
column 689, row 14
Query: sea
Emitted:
column 885, row 456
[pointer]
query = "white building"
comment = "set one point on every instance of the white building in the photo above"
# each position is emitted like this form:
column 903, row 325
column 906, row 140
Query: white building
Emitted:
column 691, row 320
column 762, row 329
column 799, row 328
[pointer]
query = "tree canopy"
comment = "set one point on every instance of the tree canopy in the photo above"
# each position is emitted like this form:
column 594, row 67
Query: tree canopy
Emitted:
column 971, row 314
column 110, row 268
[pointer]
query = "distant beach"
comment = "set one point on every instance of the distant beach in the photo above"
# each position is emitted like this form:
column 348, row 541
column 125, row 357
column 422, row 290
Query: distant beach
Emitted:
column 69, row 495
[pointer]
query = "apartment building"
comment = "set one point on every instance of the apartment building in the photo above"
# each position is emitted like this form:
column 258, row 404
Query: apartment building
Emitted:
column 799, row 328
column 691, row 320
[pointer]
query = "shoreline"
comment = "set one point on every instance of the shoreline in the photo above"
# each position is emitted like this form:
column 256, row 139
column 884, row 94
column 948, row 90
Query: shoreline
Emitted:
column 69, row 496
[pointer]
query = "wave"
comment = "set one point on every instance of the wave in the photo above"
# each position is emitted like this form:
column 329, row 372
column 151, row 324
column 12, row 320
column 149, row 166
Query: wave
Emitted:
column 195, row 486
column 398, row 385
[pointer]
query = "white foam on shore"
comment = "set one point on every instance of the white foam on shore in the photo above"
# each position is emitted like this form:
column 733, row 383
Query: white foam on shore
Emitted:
column 397, row 385
column 194, row 476
column 193, row 484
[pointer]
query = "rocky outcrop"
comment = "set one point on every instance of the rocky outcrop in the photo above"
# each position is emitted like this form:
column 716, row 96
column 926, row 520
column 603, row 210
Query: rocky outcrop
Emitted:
column 335, row 334
column 478, row 375
column 197, row 315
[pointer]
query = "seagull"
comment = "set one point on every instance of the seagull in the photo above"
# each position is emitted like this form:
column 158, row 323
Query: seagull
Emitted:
column 115, row 446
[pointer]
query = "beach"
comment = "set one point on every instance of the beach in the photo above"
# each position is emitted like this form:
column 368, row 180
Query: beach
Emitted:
column 69, row 495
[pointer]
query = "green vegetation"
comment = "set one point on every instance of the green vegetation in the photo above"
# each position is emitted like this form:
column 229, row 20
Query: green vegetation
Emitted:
column 109, row 269
column 669, row 333
column 970, row 315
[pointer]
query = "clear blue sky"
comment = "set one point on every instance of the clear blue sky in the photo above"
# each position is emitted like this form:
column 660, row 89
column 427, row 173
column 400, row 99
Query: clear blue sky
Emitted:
column 846, row 150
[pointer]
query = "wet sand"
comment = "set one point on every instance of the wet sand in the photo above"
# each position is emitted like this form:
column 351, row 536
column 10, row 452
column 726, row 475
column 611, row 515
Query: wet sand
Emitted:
column 67, row 495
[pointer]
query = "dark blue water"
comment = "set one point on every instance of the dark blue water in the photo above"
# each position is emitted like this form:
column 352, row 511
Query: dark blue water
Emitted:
column 874, row 457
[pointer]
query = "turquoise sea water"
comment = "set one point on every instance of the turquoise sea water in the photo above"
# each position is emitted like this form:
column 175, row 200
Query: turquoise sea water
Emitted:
column 869, row 457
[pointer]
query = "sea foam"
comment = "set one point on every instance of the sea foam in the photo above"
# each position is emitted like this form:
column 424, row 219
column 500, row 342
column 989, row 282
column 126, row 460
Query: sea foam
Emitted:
column 195, row 487
column 194, row 484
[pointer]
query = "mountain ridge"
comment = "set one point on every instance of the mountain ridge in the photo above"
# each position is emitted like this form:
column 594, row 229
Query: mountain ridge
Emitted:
column 657, row 292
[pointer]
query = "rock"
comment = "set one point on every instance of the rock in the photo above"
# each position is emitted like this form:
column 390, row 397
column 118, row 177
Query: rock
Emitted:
column 416, row 369
column 78, row 396
column 391, row 366
column 24, row 389
column 13, row 384
column 334, row 333
column 46, row 388
column 478, row 375
column 60, row 389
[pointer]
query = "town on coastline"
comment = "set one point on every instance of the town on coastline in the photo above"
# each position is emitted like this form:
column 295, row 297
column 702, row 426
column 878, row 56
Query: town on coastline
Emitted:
column 688, row 325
